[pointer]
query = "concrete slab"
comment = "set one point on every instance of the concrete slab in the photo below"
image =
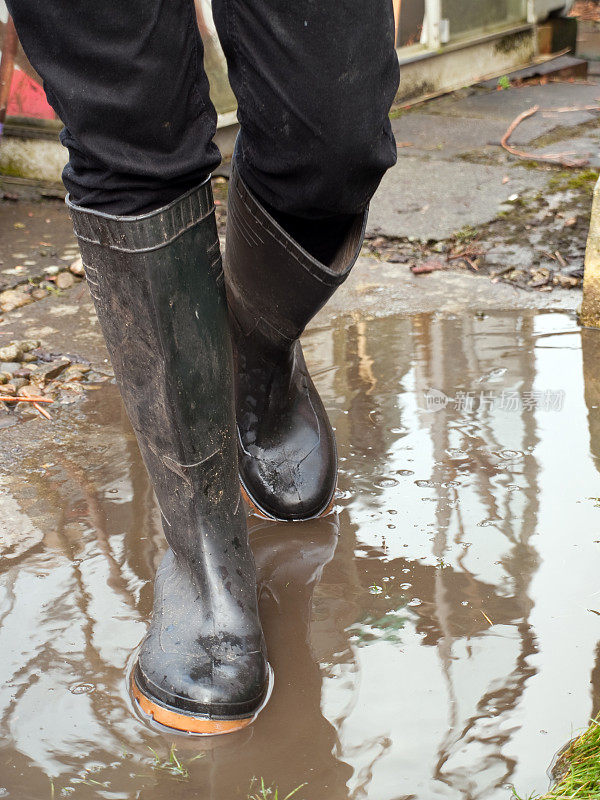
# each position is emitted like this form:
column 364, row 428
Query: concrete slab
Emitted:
column 432, row 199
column 449, row 136
column 506, row 105
column 445, row 137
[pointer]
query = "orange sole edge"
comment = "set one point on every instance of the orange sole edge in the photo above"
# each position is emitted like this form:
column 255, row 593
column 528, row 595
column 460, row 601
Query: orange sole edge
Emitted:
column 185, row 723
column 257, row 511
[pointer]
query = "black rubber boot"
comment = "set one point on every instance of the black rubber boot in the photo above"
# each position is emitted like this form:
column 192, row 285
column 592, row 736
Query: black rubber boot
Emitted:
column 286, row 446
column 157, row 284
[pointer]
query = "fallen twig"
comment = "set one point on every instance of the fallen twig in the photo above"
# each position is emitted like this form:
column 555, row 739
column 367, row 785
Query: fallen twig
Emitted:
column 556, row 158
column 560, row 259
column 42, row 411
column 467, row 253
column 10, row 399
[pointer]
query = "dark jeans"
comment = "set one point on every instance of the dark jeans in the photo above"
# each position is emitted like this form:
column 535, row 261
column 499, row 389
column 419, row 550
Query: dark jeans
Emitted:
column 314, row 80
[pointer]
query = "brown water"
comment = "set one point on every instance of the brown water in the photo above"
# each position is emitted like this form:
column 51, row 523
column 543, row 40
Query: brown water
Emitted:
column 437, row 638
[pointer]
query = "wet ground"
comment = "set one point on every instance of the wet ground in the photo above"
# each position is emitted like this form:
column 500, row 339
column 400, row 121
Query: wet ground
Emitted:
column 438, row 637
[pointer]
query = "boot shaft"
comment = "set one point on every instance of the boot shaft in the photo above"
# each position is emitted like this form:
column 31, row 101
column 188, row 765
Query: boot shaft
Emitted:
column 157, row 284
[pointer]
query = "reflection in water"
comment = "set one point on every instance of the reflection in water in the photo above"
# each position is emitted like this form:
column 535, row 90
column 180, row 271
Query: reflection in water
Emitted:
column 431, row 640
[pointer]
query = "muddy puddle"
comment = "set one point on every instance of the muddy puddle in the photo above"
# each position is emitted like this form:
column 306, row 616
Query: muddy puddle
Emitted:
column 437, row 638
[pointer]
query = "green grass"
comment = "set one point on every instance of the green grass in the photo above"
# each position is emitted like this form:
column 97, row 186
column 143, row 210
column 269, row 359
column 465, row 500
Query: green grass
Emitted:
column 172, row 765
column 578, row 769
column 504, row 82
column 262, row 792
column 466, row 234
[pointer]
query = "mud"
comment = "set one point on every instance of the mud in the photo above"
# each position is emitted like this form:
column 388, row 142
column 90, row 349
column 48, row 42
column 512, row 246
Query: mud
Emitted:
column 437, row 637
column 36, row 237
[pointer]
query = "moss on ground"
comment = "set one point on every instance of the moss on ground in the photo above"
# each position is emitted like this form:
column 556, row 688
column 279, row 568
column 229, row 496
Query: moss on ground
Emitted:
column 563, row 133
column 584, row 179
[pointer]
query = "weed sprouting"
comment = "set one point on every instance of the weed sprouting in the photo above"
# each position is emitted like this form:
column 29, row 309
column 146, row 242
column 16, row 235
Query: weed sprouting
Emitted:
column 172, row 765
column 262, row 792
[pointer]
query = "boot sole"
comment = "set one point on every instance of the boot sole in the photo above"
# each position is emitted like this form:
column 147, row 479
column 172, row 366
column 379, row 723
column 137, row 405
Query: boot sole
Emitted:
column 184, row 722
column 259, row 512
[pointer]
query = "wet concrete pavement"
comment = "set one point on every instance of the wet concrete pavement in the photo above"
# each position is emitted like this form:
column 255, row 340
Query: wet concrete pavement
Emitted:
column 437, row 637
column 451, row 170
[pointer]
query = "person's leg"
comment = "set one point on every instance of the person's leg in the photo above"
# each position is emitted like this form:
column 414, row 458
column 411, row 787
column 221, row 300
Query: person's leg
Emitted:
column 314, row 83
column 128, row 84
column 126, row 79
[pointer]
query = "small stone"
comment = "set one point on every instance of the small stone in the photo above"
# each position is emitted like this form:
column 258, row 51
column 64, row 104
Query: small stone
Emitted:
column 83, row 368
column 566, row 281
column 65, row 280
column 22, row 373
column 70, row 393
column 39, row 294
column 28, row 391
column 51, row 388
column 4, row 377
column 97, row 377
column 72, row 374
column 27, row 345
column 77, row 267
column 53, row 270
column 47, row 372
column 10, row 367
column 9, row 389
column 10, row 353
column 72, row 386
column 14, row 298
column 29, row 357
column 19, row 383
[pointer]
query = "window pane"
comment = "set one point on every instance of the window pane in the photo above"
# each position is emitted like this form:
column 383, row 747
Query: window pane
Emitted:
column 412, row 13
column 471, row 16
